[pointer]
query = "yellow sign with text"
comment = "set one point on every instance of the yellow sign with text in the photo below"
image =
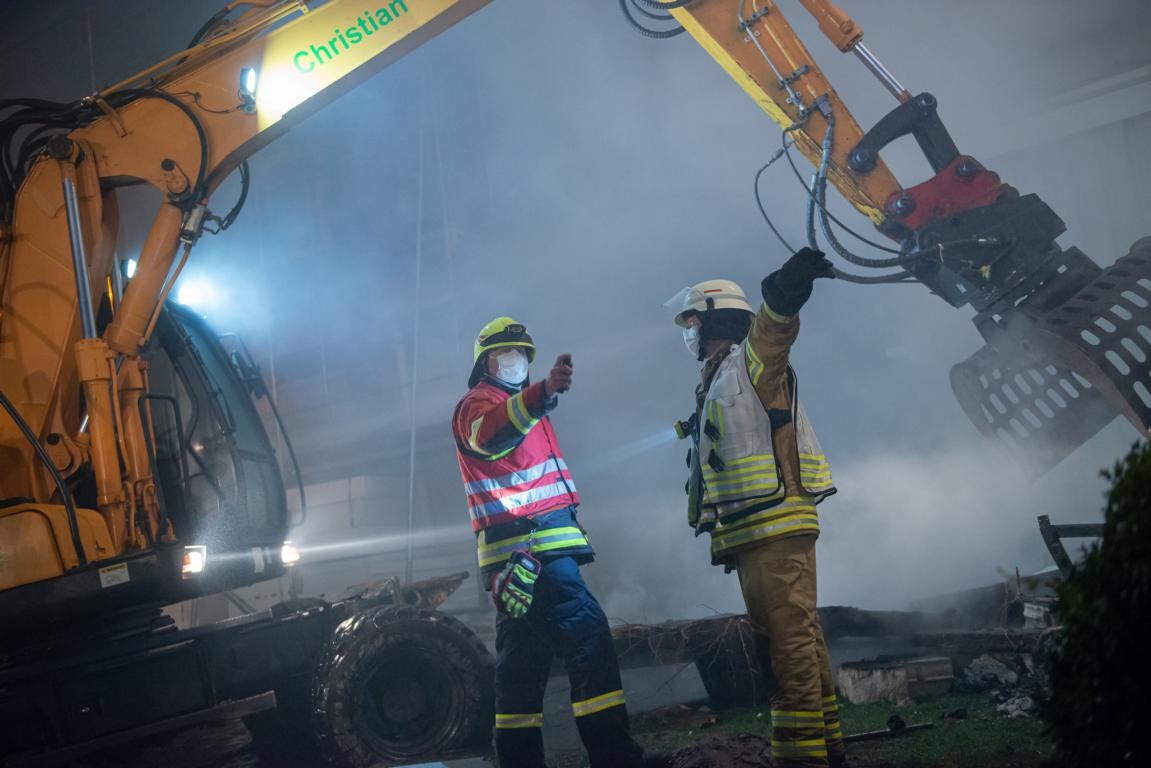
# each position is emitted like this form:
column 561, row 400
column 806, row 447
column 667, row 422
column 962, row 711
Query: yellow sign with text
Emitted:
column 327, row 43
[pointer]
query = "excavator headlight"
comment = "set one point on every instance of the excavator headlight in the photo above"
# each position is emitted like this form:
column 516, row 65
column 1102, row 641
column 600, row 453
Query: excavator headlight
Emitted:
column 195, row 558
column 289, row 554
column 248, row 81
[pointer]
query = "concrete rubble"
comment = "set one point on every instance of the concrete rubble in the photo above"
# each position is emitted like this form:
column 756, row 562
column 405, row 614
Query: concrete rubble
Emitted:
column 987, row 672
column 899, row 680
column 1018, row 706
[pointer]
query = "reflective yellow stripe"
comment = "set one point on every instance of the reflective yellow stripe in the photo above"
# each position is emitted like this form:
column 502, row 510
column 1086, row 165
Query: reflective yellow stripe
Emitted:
column 518, row 414
column 535, row 720
column 715, row 415
column 755, row 366
column 815, row 484
column 783, row 719
column 732, row 474
column 776, row 317
column 724, row 486
column 814, row 471
column 598, row 703
column 787, row 508
column 761, row 485
column 758, row 475
column 833, row 734
column 474, row 443
column 741, row 478
column 725, row 540
column 542, row 541
column 474, row 436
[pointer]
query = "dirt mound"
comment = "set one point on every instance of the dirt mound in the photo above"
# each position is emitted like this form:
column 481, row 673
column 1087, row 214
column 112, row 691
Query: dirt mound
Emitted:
column 742, row 751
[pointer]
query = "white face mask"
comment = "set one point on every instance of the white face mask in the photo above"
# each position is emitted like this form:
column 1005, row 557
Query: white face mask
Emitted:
column 691, row 339
column 513, row 366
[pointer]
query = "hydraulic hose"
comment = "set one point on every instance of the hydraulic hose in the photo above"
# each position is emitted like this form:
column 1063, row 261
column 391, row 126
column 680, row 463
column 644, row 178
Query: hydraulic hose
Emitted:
column 655, row 34
column 65, row 495
column 648, row 14
column 198, row 189
column 817, row 196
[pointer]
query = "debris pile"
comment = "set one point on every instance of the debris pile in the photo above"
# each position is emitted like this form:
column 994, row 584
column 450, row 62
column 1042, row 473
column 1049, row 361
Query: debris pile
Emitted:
column 743, row 751
column 987, row 672
column 1011, row 680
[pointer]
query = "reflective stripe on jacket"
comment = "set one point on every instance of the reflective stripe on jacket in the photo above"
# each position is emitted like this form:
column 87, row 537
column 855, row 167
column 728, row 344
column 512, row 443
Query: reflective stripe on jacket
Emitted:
column 736, row 451
column 509, row 458
column 791, row 516
column 757, row 469
column 548, row 536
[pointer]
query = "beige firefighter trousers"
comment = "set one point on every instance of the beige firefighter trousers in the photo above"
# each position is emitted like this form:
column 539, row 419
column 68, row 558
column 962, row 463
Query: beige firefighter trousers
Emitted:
column 779, row 587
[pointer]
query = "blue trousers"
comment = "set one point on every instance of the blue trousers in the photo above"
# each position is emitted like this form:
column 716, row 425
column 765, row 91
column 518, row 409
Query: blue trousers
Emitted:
column 565, row 620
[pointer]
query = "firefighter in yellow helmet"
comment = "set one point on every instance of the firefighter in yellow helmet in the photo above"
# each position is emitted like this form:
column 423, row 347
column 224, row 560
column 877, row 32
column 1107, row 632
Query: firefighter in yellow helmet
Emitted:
column 522, row 502
column 757, row 473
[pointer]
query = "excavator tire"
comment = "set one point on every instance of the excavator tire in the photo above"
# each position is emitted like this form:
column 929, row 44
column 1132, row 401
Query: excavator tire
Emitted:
column 398, row 686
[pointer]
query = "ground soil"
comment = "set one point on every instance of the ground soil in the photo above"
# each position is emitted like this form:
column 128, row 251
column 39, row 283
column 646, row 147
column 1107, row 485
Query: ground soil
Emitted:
column 966, row 730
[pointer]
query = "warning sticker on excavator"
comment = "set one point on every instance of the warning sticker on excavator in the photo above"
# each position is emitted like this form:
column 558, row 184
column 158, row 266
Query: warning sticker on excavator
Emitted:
column 112, row 575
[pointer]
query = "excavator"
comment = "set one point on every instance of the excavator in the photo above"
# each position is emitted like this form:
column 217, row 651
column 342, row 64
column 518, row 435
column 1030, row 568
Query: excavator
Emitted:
column 135, row 468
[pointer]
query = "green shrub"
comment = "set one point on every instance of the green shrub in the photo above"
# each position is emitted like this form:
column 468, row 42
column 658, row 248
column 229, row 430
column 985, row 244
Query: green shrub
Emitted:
column 1100, row 663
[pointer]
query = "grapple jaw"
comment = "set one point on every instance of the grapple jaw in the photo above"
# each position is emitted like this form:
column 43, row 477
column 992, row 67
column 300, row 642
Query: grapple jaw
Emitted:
column 1067, row 343
column 1064, row 355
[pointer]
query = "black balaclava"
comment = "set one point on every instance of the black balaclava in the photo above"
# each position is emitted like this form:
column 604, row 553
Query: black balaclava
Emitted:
column 732, row 324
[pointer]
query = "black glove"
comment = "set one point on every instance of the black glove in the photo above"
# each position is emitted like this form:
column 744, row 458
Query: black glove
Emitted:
column 788, row 288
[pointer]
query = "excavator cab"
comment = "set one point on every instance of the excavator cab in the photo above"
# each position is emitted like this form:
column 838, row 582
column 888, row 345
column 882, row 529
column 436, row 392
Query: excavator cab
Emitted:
column 216, row 465
column 223, row 513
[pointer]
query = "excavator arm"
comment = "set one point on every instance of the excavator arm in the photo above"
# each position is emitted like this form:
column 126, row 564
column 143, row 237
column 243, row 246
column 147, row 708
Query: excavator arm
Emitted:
column 1066, row 341
column 74, row 385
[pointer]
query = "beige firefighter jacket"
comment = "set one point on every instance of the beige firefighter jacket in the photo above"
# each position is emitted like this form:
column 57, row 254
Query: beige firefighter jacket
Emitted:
column 757, row 467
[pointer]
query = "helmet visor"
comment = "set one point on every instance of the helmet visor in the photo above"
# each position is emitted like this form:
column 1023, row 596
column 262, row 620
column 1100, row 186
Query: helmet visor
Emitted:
column 684, row 303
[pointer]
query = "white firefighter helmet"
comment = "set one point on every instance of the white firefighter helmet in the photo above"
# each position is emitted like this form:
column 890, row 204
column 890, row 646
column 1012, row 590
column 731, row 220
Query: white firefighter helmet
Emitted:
column 708, row 295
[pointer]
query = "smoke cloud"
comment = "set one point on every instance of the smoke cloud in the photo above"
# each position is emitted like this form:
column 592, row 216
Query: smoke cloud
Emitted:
column 543, row 161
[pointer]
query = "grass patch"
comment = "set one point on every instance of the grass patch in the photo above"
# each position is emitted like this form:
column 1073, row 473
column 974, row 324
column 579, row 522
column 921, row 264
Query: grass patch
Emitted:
column 983, row 738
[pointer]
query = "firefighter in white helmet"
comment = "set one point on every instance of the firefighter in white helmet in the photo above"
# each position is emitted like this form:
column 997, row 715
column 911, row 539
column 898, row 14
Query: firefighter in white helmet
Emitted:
column 757, row 473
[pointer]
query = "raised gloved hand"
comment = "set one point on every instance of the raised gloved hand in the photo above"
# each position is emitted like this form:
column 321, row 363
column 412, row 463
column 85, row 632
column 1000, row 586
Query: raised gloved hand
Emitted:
column 788, row 288
column 513, row 587
column 560, row 377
